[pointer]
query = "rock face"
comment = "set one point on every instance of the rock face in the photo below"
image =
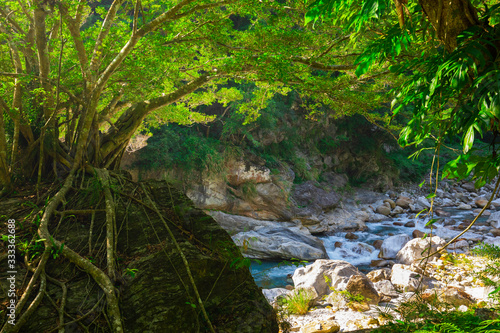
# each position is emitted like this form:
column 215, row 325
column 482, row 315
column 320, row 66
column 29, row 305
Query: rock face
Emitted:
column 324, row 276
column 412, row 251
column 158, row 297
column 391, row 246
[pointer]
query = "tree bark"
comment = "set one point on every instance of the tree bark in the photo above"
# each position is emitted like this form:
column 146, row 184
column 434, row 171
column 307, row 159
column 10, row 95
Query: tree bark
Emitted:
column 449, row 18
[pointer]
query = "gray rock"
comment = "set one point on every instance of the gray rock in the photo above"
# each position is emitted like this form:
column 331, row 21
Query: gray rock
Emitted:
column 379, row 275
column 385, row 287
column 397, row 210
column 384, row 209
column 391, row 246
column 464, row 206
column 324, row 276
column 406, row 280
column 280, row 243
column 412, row 250
column 422, row 201
column 274, row 293
column 404, row 202
column 308, row 194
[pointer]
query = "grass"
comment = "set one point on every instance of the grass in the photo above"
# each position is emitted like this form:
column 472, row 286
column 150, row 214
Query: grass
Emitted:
column 298, row 302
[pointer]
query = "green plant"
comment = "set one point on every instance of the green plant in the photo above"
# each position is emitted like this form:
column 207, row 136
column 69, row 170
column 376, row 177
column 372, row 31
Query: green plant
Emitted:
column 490, row 274
column 298, row 302
column 131, row 272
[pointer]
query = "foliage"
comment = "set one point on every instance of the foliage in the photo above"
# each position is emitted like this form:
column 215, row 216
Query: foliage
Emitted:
column 298, row 301
column 451, row 73
column 490, row 274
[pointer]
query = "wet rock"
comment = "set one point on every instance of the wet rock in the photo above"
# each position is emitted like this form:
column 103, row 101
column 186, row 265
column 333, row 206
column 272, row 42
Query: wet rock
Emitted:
column 410, row 224
column 375, row 217
column 398, row 224
column 391, row 246
column 360, row 285
column 351, row 236
column 377, row 244
column 417, row 233
column 338, row 244
column 412, row 250
column 404, row 202
column 362, row 248
column 380, row 263
column 441, row 213
column 494, row 219
column 379, row 275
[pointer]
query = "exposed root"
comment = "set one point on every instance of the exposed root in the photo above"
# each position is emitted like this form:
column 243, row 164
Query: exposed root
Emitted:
column 184, row 260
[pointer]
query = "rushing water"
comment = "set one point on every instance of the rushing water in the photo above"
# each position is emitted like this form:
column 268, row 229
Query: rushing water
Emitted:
column 359, row 252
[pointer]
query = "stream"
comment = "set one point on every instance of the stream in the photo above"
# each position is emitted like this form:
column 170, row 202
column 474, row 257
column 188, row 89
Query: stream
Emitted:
column 359, row 252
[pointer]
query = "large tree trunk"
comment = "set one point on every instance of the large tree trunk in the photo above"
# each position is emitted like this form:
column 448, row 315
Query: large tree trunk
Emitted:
column 449, row 18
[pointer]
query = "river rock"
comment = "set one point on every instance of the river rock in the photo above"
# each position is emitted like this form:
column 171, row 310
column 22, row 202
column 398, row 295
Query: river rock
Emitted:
column 441, row 213
column 422, row 201
column 404, row 202
column 461, row 245
column 351, row 236
column 495, row 232
column 417, row 233
column 378, row 243
column 385, row 287
column 391, row 203
column 397, row 210
column 447, row 234
column 406, row 280
column 375, row 217
column 384, row 209
column 469, row 187
column 494, row 219
column 280, row 243
column 412, row 250
column 391, row 246
column 379, row 275
column 274, row 293
column 360, row 285
column 410, row 224
column 343, row 219
column 481, row 202
column 337, row 272
column 322, row 326
column 464, row 206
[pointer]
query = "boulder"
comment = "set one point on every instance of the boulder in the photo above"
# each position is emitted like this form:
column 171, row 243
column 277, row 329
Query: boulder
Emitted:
column 404, row 202
column 324, row 276
column 397, row 210
column 321, row 326
column 280, row 243
column 461, row 245
column 272, row 294
column 412, row 251
column 384, row 209
column 410, row 224
column 360, row 285
column 379, row 275
column 481, row 202
column 391, row 203
column 391, row 246
column 495, row 232
column 406, row 280
column 417, row 233
column 378, row 243
column 351, row 236
column 441, row 213
column 450, row 295
column 494, row 219
column 385, row 287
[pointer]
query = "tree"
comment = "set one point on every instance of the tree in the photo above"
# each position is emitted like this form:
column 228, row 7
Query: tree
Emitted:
column 448, row 53
column 78, row 80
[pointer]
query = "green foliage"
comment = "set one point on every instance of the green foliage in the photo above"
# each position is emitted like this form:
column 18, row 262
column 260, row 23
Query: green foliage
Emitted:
column 298, row 301
column 173, row 146
column 489, row 275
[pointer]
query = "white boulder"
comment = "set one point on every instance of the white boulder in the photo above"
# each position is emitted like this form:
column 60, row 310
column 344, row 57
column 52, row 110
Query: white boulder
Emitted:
column 413, row 250
column 391, row 246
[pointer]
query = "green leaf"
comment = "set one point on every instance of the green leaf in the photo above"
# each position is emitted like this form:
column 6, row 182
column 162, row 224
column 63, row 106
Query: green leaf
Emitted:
column 468, row 139
column 430, row 196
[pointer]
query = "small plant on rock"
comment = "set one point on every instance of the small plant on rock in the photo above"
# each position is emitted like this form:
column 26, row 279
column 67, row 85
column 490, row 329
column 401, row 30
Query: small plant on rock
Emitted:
column 298, row 302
